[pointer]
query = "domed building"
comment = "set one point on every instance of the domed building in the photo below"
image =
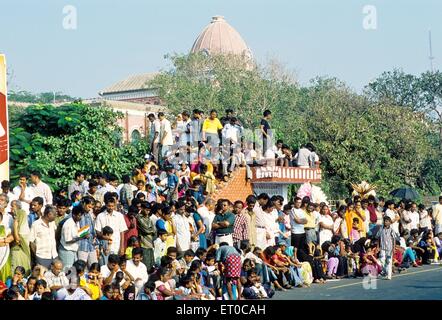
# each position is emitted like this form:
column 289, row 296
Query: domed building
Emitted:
column 219, row 37
column 136, row 99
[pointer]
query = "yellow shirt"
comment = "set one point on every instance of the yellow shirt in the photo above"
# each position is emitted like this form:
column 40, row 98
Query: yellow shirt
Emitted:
column 310, row 220
column 212, row 126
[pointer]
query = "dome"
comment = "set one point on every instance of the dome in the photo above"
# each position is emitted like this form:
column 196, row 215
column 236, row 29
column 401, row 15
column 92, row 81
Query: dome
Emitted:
column 220, row 38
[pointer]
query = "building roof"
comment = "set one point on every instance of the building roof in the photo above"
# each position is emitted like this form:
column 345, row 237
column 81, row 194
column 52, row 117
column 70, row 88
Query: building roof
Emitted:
column 132, row 83
column 221, row 38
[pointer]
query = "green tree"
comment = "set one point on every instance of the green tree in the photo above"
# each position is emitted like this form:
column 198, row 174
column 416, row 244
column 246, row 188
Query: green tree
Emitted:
column 75, row 137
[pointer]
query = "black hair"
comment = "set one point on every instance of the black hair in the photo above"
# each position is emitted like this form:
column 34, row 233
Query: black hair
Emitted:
column 93, row 183
column 172, row 250
column 200, row 252
column 136, row 251
column 165, row 261
column 126, row 178
column 210, row 256
column 39, row 200
column 95, row 266
column 161, row 232
column 122, row 260
column 36, row 173
column 107, row 230
column 196, row 264
column 107, row 288
column 266, row 113
column 189, row 253
column 21, row 269
column 263, row 196
column 113, row 258
column 79, row 266
column 42, row 283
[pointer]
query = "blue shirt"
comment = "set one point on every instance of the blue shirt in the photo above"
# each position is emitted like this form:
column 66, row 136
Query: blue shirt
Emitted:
column 172, row 181
column 87, row 245
column 32, row 217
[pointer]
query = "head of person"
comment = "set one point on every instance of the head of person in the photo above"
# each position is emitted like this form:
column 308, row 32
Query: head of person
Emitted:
column 30, row 284
column 172, row 252
column 188, row 255
column 324, row 210
column 161, row 116
column 263, row 198
column 50, row 213
column 210, row 260
column 267, row 114
column 387, row 222
column 311, row 207
column 250, row 201
column 201, row 254
column 113, row 261
column 341, row 211
column 35, row 177
column 40, row 286
column 237, row 207
column 37, row 204
column 20, row 272
column 137, row 255
column 162, row 234
column 79, row 177
column 108, row 291
column 213, row 114
column 111, row 205
column 6, row 186
column 355, row 222
column 164, row 274
column 23, row 179
column 364, row 203
column 268, row 208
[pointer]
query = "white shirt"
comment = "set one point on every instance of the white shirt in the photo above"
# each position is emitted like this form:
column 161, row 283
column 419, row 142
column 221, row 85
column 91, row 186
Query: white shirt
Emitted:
column 42, row 190
column 29, row 195
column 159, row 249
column 155, row 127
column 207, row 217
column 425, row 219
column 138, row 272
column 44, row 238
column 105, row 272
column 325, row 234
column 68, row 233
column 115, row 220
column 182, row 232
column 230, row 132
column 437, row 214
column 166, row 133
column 392, row 215
column 414, row 216
column 296, row 227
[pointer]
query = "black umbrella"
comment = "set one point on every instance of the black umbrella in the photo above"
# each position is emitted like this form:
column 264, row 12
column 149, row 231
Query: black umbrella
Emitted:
column 405, row 193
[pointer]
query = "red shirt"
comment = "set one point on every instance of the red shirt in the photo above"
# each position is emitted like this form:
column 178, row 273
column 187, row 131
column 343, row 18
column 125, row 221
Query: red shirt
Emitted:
column 132, row 230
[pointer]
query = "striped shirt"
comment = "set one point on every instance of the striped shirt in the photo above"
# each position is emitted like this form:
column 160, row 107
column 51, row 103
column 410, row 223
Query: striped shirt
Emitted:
column 240, row 228
column 87, row 245
column 387, row 238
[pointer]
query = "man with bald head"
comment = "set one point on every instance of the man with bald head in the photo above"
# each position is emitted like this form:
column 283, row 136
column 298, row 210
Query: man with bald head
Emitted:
column 56, row 278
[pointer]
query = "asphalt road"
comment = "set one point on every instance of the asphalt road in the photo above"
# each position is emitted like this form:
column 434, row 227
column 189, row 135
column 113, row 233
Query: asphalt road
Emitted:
column 423, row 283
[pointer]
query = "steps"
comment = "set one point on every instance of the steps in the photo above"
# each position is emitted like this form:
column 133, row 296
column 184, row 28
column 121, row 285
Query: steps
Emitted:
column 237, row 188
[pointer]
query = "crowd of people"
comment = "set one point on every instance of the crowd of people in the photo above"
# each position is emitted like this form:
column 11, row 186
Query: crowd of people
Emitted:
column 158, row 234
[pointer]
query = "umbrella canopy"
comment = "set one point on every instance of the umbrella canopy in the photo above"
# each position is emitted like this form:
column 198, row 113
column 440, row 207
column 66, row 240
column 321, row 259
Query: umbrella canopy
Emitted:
column 405, row 193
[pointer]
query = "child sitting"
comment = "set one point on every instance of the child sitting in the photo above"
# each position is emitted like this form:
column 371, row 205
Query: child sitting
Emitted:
column 132, row 243
column 148, row 292
column 253, row 289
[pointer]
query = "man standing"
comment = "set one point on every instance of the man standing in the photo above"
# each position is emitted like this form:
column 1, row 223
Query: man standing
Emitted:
column 297, row 221
column 86, row 245
column 195, row 128
column 437, row 216
column 70, row 238
column 115, row 220
column 77, row 184
column 207, row 215
column 241, row 225
column 35, row 213
column 42, row 238
column 166, row 138
column 147, row 231
column 266, row 131
column 261, row 233
column 41, row 189
column 182, row 227
column 211, row 128
column 24, row 193
column 251, row 219
column 154, row 136
column 223, row 224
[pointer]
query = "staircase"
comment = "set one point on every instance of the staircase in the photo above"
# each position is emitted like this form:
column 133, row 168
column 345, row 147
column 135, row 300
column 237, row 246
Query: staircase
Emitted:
column 237, row 188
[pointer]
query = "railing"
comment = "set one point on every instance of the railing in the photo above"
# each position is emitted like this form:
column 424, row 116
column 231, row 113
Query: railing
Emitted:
column 285, row 175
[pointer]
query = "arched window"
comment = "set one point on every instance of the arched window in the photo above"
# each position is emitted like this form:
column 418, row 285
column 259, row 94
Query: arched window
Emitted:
column 135, row 136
